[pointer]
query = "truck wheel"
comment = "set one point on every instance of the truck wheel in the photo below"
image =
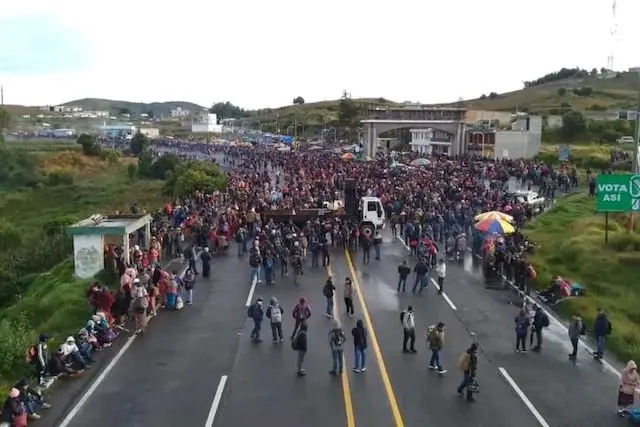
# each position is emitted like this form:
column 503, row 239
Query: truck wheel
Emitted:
column 367, row 230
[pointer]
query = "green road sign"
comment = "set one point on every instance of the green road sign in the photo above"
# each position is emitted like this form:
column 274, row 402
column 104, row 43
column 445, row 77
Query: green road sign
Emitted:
column 618, row 193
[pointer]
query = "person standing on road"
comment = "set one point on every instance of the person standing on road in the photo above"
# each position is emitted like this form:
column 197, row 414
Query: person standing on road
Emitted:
column 468, row 363
column 274, row 314
column 576, row 328
column 435, row 337
column 301, row 312
column 349, row 293
column 409, row 330
column 337, row 339
column 256, row 313
column 421, row 270
column 299, row 344
column 629, row 381
column 255, row 260
column 366, row 248
column 441, row 271
column 328, row 290
column 601, row 329
column 359, row 334
column 540, row 321
column 377, row 242
column 522, row 327
column 403, row 273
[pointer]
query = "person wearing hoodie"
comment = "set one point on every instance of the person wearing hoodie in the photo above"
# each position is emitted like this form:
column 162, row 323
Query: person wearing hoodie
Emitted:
column 337, row 339
column 522, row 327
column 349, row 293
column 301, row 312
column 601, row 329
column 435, row 337
column 14, row 412
column 256, row 313
column 576, row 328
column 629, row 381
column 31, row 398
column 328, row 290
column 468, row 363
column 299, row 344
column 359, row 334
column 274, row 314
column 72, row 353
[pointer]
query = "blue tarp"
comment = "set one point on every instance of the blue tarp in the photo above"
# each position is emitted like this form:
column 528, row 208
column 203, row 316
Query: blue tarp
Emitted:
column 286, row 139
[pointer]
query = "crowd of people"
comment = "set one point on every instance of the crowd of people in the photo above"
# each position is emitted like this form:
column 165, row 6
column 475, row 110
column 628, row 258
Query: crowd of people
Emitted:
column 430, row 204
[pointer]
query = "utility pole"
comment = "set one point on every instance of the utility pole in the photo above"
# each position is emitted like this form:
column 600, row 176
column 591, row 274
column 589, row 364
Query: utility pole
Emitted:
column 1, row 96
column 295, row 124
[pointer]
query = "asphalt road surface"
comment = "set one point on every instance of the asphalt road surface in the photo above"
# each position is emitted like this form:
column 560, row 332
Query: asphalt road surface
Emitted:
column 172, row 376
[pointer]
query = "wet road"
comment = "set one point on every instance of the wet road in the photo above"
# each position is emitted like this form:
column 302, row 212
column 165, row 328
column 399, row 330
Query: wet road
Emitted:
column 170, row 376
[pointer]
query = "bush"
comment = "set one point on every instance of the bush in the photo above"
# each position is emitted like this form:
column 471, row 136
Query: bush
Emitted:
column 59, row 178
column 17, row 336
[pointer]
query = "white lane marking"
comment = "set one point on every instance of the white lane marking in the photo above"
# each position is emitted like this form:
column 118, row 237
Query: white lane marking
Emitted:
column 606, row 365
column 251, row 291
column 523, row 397
column 67, row 420
column 103, row 375
column 216, row 402
column 444, row 294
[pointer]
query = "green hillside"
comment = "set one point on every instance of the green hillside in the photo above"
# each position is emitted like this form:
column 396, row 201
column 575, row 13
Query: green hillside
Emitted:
column 157, row 109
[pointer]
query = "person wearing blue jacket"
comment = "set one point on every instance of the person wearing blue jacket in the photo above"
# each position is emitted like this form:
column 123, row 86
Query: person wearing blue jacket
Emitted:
column 601, row 329
column 256, row 313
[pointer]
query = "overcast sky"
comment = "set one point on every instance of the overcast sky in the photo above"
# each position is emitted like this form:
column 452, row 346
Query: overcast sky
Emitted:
column 263, row 53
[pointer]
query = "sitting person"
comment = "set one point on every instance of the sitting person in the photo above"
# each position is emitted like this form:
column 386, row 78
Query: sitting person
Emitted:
column 32, row 399
column 59, row 366
column 73, row 355
column 87, row 343
column 101, row 336
column 14, row 412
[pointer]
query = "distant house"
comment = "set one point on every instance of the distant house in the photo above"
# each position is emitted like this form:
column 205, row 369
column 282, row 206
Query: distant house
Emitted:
column 179, row 112
column 67, row 109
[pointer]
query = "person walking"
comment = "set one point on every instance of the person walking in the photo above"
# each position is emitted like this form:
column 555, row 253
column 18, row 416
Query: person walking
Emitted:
column 540, row 321
column 274, row 314
column 629, row 381
column 576, row 329
column 301, row 312
column 408, row 320
column 468, row 364
column 337, row 339
column 435, row 338
column 256, row 313
column 349, row 293
column 328, row 290
column 359, row 334
column 441, row 271
column 403, row 272
column 299, row 344
column 421, row 270
column 601, row 329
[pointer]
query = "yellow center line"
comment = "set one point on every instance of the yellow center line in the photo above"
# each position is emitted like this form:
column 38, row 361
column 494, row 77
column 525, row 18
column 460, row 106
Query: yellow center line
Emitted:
column 346, row 389
column 395, row 409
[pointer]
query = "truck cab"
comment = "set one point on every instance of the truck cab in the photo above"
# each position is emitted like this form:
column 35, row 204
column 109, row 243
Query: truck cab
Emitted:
column 371, row 215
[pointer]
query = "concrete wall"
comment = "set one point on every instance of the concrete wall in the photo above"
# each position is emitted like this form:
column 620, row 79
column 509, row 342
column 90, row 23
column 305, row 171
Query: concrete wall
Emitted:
column 150, row 132
column 554, row 122
column 517, row 145
column 476, row 116
column 88, row 255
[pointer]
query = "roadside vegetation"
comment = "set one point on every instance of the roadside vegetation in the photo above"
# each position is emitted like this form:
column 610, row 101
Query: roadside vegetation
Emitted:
column 571, row 244
column 43, row 189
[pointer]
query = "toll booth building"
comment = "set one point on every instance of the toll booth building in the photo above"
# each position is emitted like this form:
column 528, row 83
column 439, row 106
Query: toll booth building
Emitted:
column 92, row 235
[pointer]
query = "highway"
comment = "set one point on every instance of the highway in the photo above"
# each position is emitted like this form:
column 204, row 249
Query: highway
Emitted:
column 197, row 367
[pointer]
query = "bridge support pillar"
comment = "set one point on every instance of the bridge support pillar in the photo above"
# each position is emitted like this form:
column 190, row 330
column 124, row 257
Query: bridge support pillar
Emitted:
column 370, row 140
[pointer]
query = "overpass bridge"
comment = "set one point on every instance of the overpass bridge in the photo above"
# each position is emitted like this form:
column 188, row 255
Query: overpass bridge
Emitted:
column 447, row 120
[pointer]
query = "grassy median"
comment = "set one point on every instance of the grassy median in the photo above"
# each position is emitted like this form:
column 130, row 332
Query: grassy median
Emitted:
column 571, row 244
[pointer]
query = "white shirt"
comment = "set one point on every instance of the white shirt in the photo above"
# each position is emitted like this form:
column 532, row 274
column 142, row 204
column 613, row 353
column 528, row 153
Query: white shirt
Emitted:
column 409, row 320
column 441, row 269
column 69, row 348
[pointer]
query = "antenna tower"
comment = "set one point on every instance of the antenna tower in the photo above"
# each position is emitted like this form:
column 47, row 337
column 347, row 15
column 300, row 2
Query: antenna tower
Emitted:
column 613, row 33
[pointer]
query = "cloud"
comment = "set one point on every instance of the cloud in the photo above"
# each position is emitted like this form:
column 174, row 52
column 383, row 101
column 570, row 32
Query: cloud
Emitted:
column 38, row 45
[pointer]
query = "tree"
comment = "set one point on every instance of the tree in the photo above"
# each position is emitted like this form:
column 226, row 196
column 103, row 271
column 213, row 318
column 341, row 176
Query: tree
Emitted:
column 5, row 119
column 190, row 177
column 226, row 110
column 90, row 146
column 493, row 95
column 594, row 72
column 603, row 70
column 124, row 112
column 562, row 91
column 564, row 73
column 298, row 100
column 583, row 91
column 347, row 110
column 139, row 143
column 574, row 126
column 483, row 96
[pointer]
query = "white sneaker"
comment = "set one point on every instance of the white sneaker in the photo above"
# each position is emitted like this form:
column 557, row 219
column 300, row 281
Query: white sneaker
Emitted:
column 442, row 372
column 363, row 370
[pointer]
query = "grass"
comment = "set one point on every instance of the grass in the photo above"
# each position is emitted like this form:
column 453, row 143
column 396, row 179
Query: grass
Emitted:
column 571, row 244
column 587, row 155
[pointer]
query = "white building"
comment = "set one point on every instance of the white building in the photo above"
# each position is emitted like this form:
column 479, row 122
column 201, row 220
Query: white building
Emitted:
column 67, row 109
column 206, row 122
column 422, row 141
column 179, row 112
column 523, row 141
column 90, row 114
column 150, row 132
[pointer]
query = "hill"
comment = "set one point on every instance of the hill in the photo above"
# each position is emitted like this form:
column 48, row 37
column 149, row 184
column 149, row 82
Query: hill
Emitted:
column 157, row 108
column 619, row 91
column 21, row 110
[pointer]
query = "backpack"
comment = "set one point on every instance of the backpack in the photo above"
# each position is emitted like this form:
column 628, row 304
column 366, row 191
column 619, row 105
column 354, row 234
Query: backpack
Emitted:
column 31, row 354
column 337, row 338
column 326, row 291
column 532, row 272
column 431, row 333
column 463, row 361
column 276, row 315
column 142, row 302
column 583, row 329
column 402, row 313
column 545, row 320
column 609, row 327
column 250, row 311
column 633, row 415
column 294, row 342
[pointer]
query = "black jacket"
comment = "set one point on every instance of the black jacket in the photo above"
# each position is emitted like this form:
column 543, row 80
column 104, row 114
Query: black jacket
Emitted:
column 359, row 338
